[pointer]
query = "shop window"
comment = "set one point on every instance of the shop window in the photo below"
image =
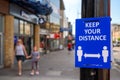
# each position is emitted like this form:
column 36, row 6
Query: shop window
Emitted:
column 31, row 29
column 21, row 27
column 27, row 28
column 16, row 26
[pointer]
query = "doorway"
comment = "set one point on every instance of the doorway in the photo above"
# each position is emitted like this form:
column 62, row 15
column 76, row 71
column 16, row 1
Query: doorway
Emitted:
column 1, row 50
column 28, row 43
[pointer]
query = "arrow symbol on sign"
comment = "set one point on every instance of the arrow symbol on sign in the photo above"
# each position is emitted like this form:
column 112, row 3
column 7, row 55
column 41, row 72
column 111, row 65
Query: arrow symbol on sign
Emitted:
column 92, row 55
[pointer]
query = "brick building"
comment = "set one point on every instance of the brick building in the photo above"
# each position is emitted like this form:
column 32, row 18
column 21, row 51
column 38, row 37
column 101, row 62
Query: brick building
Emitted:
column 16, row 22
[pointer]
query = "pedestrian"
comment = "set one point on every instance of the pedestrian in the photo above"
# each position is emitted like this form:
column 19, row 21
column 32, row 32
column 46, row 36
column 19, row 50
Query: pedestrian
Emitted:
column 20, row 53
column 69, row 47
column 73, row 43
column 35, row 55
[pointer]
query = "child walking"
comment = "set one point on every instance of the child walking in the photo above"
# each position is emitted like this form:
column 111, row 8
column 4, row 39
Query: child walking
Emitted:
column 35, row 55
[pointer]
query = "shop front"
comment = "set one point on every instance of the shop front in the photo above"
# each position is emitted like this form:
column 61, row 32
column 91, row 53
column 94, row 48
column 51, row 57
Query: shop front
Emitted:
column 54, row 41
column 4, row 9
column 54, row 37
column 24, row 24
column 44, row 41
column 24, row 30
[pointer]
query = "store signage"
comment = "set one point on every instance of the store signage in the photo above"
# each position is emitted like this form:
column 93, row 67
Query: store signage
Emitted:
column 43, row 31
column 55, row 35
column 52, row 36
column 24, row 14
column 29, row 17
column 93, row 43
column 65, row 29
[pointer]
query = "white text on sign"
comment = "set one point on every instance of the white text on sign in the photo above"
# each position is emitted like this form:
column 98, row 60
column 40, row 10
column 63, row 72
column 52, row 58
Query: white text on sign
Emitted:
column 91, row 24
column 92, row 32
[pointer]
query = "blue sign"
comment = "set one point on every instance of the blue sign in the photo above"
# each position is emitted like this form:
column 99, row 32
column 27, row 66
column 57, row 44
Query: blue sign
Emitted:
column 93, row 43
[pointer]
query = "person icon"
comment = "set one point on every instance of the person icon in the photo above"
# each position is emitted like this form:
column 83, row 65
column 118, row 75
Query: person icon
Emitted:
column 79, row 53
column 105, row 54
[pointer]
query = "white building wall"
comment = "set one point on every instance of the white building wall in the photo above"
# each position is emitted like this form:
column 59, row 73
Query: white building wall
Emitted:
column 65, row 25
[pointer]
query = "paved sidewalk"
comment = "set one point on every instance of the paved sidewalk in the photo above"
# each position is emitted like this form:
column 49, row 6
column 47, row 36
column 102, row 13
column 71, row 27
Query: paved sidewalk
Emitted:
column 116, row 55
column 58, row 65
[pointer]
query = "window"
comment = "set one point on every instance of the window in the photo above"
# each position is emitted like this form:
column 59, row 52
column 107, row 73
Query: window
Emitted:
column 27, row 28
column 21, row 27
column 31, row 29
column 16, row 26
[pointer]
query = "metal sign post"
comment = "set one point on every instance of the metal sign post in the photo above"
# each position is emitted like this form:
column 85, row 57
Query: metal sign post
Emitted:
column 93, row 43
column 90, row 9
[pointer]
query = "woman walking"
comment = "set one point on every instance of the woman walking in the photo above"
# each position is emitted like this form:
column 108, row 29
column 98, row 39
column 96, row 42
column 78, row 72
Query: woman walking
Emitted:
column 20, row 53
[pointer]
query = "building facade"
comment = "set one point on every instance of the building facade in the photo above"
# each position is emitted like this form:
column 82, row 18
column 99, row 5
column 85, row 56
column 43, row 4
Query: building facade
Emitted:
column 62, row 23
column 54, row 19
column 115, row 32
column 18, row 20
column 4, row 10
column 65, row 26
column 51, row 27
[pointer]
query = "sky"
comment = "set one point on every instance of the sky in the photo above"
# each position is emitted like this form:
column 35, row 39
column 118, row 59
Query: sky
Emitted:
column 73, row 11
column 115, row 12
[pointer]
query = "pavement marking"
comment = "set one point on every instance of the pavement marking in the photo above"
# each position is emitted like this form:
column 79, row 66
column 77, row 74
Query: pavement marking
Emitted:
column 53, row 73
column 116, row 67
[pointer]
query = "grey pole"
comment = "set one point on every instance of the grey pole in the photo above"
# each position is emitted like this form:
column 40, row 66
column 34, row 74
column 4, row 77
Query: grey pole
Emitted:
column 95, row 8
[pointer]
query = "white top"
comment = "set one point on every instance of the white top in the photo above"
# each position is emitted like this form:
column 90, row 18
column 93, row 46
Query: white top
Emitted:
column 19, row 50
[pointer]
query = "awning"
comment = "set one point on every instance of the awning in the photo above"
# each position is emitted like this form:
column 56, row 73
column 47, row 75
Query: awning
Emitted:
column 37, row 6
